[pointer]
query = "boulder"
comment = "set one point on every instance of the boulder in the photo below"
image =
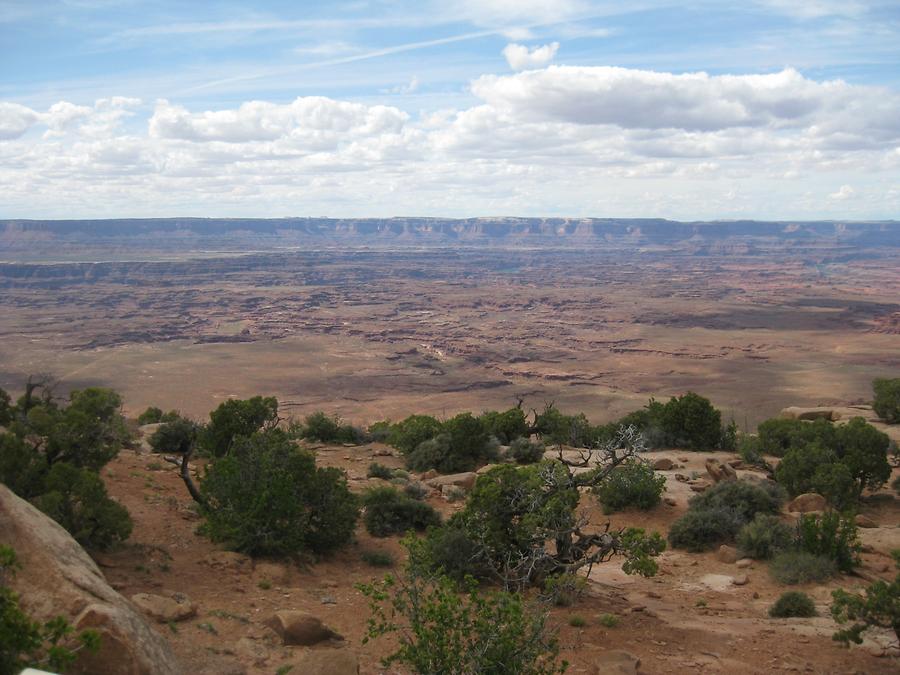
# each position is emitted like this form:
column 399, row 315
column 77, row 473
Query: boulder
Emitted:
column 741, row 580
column 165, row 608
column 718, row 471
column 299, row 628
column 616, row 662
column 663, row 464
column 463, row 480
column 744, row 563
column 699, row 486
column 58, row 578
column 431, row 473
column 807, row 502
column 864, row 521
column 809, row 414
column 327, row 662
column 727, row 554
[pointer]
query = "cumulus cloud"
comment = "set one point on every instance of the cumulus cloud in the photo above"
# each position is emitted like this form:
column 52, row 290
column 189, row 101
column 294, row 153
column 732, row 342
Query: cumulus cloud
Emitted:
column 520, row 57
column 558, row 139
column 311, row 117
column 643, row 99
column 843, row 193
column 15, row 120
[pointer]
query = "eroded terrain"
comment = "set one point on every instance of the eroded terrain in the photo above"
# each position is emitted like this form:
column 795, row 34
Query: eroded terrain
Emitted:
column 369, row 334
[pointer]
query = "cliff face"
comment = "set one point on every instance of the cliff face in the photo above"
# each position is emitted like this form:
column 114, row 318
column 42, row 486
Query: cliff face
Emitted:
column 189, row 232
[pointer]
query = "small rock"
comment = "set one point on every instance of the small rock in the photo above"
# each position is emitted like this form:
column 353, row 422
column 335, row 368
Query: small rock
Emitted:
column 744, row 563
column 653, row 594
column 719, row 472
column 462, row 480
column 681, row 477
column 741, row 580
column 382, row 452
column 299, row 628
column 328, row 600
column 683, row 459
column 865, row 521
column 663, row 464
column 727, row 554
column 616, row 662
column 809, row 501
column 176, row 607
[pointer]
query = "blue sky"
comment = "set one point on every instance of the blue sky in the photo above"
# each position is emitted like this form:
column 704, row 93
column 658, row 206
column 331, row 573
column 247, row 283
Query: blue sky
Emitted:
column 764, row 108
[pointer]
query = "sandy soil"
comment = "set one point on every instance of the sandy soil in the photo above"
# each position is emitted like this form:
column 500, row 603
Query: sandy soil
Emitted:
column 688, row 618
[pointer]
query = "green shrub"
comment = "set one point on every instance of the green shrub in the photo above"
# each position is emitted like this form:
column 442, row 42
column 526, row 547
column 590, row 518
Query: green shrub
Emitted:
column 177, row 437
column 746, row 498
column 509, row 518
column 77, row 499
column 266, row 497
column 631, row 484
column 878, row 606
column 388, row 511
column 764, row 536
column 700, row 529
column 778, row 435
column 506, row 426
column 577, row 621
column 863, row 449
column 461, row 445
column 22, row 468
column 377, row 470
column 325, row 429
column 608, row 620
column 556, row 428
column 801, row 567
column 887, row 399
column 525, row 451
column 831, row 535
column 749, row 448
column 441, row 631
column 379, row 432
column 690, row 421
column 564, row 590
column 151, row 415
column 416, row 490
column 793, row 604
column 378, row 558
column 235, row 419
column 409, row 434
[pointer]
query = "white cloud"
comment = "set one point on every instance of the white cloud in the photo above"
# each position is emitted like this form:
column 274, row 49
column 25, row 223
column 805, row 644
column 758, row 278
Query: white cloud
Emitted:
column 15, row 120
column 845, row 192
column 520, row 57
column 314, row 118
column 557, row 140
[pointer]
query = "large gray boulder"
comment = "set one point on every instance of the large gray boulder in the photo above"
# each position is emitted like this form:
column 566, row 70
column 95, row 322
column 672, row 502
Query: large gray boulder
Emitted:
column 59, row 578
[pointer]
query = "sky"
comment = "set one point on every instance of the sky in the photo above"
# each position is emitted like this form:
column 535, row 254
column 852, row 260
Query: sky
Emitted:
column 690, row 110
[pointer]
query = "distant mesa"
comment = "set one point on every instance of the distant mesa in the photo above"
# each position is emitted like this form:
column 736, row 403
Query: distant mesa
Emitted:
column 709, row 237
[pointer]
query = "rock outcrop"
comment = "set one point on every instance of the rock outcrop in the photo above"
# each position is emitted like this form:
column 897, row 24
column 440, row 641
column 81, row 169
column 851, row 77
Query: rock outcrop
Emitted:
column 720, row 471
column 299, row 628
column 806, row 503
column 59, row 578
